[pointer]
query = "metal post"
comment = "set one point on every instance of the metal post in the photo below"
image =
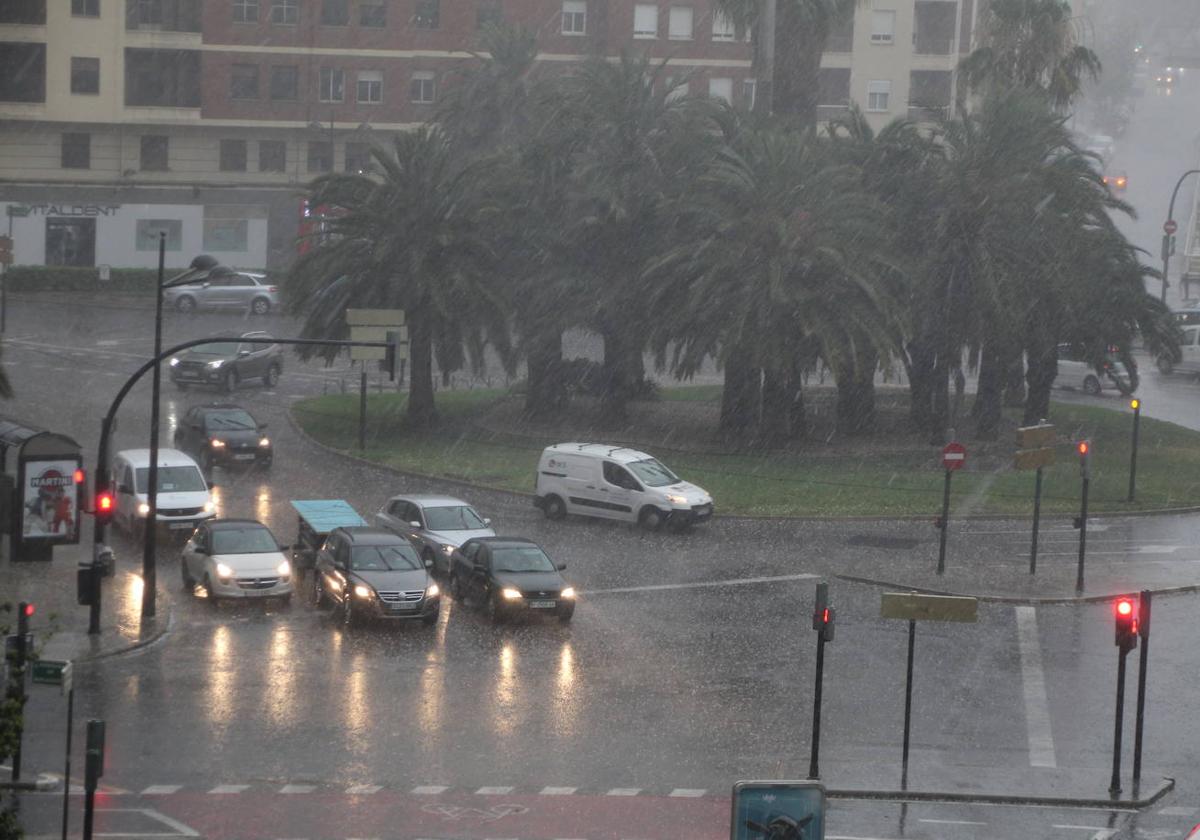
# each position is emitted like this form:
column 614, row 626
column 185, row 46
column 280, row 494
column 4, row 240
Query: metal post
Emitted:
column 362, row 409
column 814, row 770
column 912, row 635
column 67, row 767
column 1082, row 535
column 1114, row 785
column 1037, row 518
column 1137, row 414
column 1143, row 668
column 941, row 567
column 102, row 483
column 4, row 280
column 150, row 536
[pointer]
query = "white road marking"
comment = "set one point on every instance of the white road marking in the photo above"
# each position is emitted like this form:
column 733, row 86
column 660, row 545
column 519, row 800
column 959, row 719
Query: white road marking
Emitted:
column 1025, row 531
column 297, row 788
column 691, row 793
column 624, row 792
column 363, row 790
column 179, row 829
column 557, row 791
column 430, row 790
column 1033, row 679
column 952, row 822
column 1084, row 828
column 658, row 587
column 161, row 790
column 498, row 790
column 1139, row 549
column 1176, row 811
column 229, row 788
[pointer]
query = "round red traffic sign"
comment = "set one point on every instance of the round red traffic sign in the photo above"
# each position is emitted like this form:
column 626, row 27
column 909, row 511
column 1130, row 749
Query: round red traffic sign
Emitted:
column 954, row 455
column 1169, row 227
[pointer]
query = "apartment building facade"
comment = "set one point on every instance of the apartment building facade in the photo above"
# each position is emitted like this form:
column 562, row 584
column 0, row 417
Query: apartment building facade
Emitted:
column 205, row 119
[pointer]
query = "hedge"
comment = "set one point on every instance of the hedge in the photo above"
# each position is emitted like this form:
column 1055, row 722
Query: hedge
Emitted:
column 59, row 278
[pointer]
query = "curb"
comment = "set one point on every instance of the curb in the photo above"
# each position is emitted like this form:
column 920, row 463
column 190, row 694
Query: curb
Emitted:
column 1164, row 787
column 159, row 632
column 1009, row 599
column 43, row 783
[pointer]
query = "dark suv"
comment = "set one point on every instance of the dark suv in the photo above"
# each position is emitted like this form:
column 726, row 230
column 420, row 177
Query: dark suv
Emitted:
column 224, row 434
column 372, row 573
column 227, row 362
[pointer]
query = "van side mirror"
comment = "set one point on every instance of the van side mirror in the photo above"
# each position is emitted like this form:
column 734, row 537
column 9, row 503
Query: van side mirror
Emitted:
column 562, row 567
column 125, row 488
column 414, row 523
column 487, row 521
column 428, row 562
column 262, row 427
column 243, row 354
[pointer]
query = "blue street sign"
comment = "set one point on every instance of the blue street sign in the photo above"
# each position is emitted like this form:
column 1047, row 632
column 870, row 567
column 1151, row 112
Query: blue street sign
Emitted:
column 778, row 811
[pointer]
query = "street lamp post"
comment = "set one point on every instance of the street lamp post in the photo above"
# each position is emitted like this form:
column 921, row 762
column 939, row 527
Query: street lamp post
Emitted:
column 1167, row 226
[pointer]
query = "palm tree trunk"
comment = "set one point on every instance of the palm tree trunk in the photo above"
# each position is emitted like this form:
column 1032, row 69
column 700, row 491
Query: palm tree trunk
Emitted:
column 422, row 412
column 545, row 392
column 940, row 417
column 798, row 426
column 615, row 385
column 740, row 395
column 1042, row 357
column 1014, row 379
column 798, row 49
column 919, row 365
column 776, row 405
column 856, row 396
column 989, row 397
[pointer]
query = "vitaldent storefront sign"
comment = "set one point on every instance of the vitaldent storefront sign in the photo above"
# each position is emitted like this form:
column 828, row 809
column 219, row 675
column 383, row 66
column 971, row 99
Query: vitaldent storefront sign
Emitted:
column 71, row 210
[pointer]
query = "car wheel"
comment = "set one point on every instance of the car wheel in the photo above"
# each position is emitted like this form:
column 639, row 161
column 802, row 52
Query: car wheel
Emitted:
column 431, row 619
column 260, row 306
column 271, row 379
column 1165, row 365
column 554, row 507
column 230, row 381
column 189, row 585
column 565, row 618
column 209, row 592
column 348, row 617
column 650, row 518
column 492, row 609
column 1091, row 385
column 185, row 303
column 456, row 588
column 318, row 596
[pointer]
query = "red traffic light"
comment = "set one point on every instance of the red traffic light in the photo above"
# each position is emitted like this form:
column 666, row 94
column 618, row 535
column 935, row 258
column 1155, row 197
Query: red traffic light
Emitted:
column 1083, row 447
column 104, row 502
column 825, row 616
column 27, row 610
column 79, row 476
column 1124, row 607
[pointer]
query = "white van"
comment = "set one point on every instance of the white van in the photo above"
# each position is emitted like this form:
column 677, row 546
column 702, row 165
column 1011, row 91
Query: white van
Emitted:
column 596, row 479
column 183, row 494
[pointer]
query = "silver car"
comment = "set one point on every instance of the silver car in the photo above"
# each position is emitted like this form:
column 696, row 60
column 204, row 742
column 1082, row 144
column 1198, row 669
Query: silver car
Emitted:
column 224, row 288
column 435, row 525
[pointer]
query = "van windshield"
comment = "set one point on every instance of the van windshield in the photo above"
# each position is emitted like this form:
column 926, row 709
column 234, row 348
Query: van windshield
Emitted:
column 172, row 480
column 652, row 473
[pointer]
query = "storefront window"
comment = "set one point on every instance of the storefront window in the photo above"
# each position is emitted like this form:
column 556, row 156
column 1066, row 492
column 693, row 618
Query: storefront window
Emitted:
column 226, row 234
column 148, row 230
column 71, row 242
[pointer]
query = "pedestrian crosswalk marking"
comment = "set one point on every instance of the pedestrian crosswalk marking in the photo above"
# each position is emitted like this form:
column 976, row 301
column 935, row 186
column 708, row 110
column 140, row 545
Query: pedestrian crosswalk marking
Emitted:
column 687, row 792
column 297, row 788
column 361, row 790
column 498, row 790
column 1176, row 811
column 624, row 792
column 229, row 788
column 557, row 791
column 429, row 790
column 161, row 790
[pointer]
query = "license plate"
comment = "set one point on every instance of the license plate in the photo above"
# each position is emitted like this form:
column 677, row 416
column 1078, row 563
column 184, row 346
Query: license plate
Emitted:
column 249, row 456
column 401, row 607
column 704, row 510
column 180, row 526
column 542, row 605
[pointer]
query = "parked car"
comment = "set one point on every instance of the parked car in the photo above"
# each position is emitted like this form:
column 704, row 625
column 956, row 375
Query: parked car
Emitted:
column 224, row 434
column 236, row 559
column 373, row 573
column 1188, row 360
column 509, row 576
column 183, row 498
column 227, row 363
column 613, row 482
column 1075, row 370
column 223, row 288
column 436, row 525
column 1116, row 181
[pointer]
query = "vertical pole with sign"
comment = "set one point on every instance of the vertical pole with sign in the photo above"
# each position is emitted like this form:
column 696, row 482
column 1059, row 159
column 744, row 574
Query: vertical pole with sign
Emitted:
column 954, row 455
column 1037, row 518
column 1143, row 668
column 1084, row 448
column 823, row 623
column 1136, row 405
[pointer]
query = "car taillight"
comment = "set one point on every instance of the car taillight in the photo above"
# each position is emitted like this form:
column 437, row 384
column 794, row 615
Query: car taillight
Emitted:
column 272, row 288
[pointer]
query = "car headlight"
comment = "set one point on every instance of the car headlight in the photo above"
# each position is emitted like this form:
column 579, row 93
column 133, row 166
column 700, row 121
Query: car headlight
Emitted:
column 362, row 591
column 217, row 363
column 284, row 568
column 511, row 594
column 217, row 443
column 676, row 500
column 432, row 591
column 224, row 572
column 174, row 362
column 143, row 509
column 264, row 441
column 569, row 592
column 447, row 550
column 209, row 506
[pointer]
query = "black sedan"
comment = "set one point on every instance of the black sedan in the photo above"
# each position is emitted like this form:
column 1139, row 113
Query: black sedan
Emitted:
column 510, row 576
column 224, row 434
column 371, row 573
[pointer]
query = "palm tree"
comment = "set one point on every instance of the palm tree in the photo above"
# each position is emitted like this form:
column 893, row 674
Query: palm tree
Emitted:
column 1030, row 45
column 409, row 238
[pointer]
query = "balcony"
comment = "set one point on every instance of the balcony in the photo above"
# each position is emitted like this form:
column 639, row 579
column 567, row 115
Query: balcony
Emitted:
column 162, row 16
column 931, row 45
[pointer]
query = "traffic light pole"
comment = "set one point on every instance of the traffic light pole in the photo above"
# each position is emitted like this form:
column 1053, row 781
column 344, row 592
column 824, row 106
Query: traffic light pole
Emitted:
column 814, row 768
column 1037, row 518
column 1082, row 534
column 150, row 542
column 1143, row 668
column 1137, row 414
column 908, row 685
column 1114, row 785
column 941, row 567
column 1166, row 254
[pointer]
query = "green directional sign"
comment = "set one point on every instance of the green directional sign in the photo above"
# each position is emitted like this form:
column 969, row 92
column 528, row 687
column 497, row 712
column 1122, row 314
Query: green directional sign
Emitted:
column 912, row 606
column 19, row 210
column 53, row 672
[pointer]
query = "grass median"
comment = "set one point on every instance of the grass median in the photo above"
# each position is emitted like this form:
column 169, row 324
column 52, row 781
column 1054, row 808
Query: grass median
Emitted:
column 876, row 476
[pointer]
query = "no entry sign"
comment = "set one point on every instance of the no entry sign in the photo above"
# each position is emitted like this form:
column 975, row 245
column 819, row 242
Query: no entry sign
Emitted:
column 954, row 455
column 1169, row 227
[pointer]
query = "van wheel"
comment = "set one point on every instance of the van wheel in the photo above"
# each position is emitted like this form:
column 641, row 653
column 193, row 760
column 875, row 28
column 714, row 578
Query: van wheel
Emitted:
column 189, row 585
column 1165, row 365
column 650, row 518
column 554, row 508
column 186, row 303
column 271, row 379
column 1091, row 385
column 261, row 306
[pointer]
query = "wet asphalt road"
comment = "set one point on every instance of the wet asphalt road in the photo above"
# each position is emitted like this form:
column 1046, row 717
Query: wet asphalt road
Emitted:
column 688, row 666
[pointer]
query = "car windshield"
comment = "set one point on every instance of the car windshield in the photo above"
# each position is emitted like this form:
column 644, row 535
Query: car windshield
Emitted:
column 398, row 557
column 251, row 539
column 172, row 480
column 653, row 473
column 457, row 518
column 216, row 421
column 217, row 348
column 525, row 558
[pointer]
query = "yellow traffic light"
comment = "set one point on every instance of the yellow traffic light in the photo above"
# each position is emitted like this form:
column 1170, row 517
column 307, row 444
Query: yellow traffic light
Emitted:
column 1135, row 404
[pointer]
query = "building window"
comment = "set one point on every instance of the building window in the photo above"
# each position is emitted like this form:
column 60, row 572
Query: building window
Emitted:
column 645, row 20
column 723, row 28
column 878, row 93
column 147, row 12
column 85, row 75
column 427, row 14
column 883, row 27
column 370, row 87
column 285, row 12
column 320, row 156
column 70, row 241
column 77, row 151
column 721, row 89
column 285, row 82
column 23, row 11
column 749, row 88
column 272, row 156
column 488, row 13
column 154, row 153
column 335, row 12
column 421, row 89
column 574, row 17
column 148, row 230
column 245, row 11
column 372, row 13
column 22, row 72
column 233, row 155
column 226, row 235
column 243, row 81
column 679, row 26
column 85, row 8
column 333, row 85
column 162, row 78
column 358, row 157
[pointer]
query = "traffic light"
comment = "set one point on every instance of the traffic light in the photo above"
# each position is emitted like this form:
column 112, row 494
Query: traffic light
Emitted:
column 1125, row 612
column 822, row 619
column 1084, row 447
column 25, row 611
column 104, row 507
column 1135, row 404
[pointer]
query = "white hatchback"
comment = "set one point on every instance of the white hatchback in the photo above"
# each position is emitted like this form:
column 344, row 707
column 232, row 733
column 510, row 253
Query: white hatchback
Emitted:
column 1075, row 371
column 236, row 558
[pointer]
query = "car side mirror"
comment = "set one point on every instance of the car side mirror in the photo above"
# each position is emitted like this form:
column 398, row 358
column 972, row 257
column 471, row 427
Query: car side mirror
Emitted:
column 211, row 482
column 124, row 488
column 487, row 521
column 479, row 567
column 195, row 426
column 414, row 523
column 243, row 354
column 205, row 285
column 562, row 567
column 262, row 427
column 428, row 562
column 200, row 549
column 284, row 547
column 339, row 564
